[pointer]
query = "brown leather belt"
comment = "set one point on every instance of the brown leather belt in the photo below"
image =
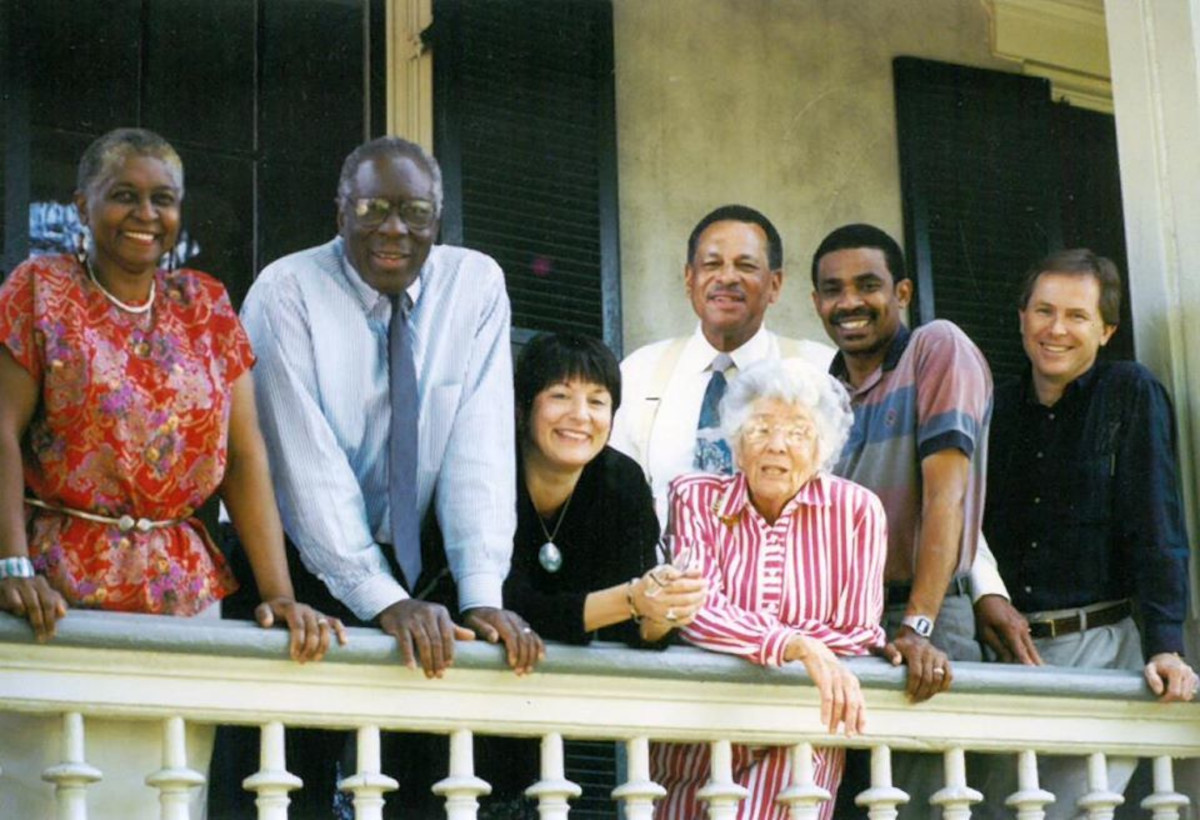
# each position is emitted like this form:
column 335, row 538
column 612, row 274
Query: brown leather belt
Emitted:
column 1081, row 621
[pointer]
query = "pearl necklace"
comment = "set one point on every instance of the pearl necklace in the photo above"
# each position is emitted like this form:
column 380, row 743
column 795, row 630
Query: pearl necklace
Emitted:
column 125, row 306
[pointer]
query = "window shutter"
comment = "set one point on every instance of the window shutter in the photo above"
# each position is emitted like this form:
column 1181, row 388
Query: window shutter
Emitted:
column 524, row 131
column 980, row 195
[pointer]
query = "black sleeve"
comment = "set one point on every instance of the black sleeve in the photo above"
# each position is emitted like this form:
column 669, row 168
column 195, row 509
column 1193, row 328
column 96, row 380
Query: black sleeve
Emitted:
column 1150, row 512
column 634, row 541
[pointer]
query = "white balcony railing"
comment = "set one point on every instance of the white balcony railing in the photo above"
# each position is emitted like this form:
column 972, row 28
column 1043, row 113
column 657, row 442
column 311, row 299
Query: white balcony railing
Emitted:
column 176, row 671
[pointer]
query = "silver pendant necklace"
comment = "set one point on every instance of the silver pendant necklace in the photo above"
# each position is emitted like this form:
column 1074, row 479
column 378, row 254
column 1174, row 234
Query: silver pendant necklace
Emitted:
column 550, row 556
column 125, row 306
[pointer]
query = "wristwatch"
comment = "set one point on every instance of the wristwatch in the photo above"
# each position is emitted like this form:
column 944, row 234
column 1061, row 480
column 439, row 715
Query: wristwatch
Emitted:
column 921, row 624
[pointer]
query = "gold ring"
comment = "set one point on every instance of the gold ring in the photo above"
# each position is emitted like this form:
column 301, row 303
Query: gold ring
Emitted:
column 671, row 616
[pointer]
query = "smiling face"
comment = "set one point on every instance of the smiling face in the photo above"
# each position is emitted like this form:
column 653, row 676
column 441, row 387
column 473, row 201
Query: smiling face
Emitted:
column 859, row 304
column 731, row 283
column 569, row 424
column 389, row 255
column 1062, row 330
column 133, row 214
column 777, row 451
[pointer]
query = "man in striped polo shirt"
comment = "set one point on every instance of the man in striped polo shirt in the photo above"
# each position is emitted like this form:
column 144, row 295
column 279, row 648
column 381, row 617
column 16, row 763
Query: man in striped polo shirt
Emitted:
column 922, row 403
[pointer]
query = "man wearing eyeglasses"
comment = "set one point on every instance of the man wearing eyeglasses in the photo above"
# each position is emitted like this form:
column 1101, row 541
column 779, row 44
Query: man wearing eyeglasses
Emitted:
column 385, row 386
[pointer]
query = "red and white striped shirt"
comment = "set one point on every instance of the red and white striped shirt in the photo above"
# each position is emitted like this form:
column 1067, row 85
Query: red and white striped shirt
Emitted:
column 816, row 571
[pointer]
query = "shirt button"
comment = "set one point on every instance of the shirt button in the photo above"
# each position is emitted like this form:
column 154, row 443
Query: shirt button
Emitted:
column 1037, row 500
column 1029, row 589
column 1039, row 453
column 1051, row 417
column 1033, row 544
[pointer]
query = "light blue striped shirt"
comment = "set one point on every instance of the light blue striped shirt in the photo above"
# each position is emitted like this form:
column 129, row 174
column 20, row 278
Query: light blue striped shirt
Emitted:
column 321, row 336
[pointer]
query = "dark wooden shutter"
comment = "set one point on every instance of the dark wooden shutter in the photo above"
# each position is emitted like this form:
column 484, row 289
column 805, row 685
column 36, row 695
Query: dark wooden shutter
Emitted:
column 262, row 99
column 525, row 135
column 980, row 195
column 994, row 176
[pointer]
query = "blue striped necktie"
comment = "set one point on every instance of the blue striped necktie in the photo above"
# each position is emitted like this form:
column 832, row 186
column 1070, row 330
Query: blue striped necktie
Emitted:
column 712, row 451
column 402, row 444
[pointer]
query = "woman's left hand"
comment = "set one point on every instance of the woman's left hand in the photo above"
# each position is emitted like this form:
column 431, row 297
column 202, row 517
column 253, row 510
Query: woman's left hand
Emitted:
column 841, row 696
column 310, row 629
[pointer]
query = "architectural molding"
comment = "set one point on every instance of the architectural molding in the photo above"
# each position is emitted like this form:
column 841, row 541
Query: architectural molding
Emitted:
column 409, row 71
column 1063, row 41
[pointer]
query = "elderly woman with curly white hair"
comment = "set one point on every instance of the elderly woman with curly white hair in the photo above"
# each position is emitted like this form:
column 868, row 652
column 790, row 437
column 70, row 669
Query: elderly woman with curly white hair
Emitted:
column 794, row 561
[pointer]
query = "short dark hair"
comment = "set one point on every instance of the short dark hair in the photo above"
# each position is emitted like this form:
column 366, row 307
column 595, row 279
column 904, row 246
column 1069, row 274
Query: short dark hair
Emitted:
column 556, row 357
column 861, row 235
column 394, row 146
column 1081, row 262
column 100, row 156
column 740, row 213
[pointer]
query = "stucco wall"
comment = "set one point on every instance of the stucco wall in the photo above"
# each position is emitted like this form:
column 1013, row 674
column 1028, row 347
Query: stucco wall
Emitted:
column 784, row 105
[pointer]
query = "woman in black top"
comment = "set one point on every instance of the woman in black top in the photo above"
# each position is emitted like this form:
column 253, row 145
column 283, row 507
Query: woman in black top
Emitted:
column 583, row 563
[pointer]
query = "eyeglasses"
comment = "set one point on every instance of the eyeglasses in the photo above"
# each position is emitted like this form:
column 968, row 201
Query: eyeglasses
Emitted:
column 794, row 433
column 373, row 211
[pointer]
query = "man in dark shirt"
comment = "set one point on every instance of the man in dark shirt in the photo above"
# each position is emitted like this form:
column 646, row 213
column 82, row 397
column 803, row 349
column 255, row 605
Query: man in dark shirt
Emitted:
column 1083, row 503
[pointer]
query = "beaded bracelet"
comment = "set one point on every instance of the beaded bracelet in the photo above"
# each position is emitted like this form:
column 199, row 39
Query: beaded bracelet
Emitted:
column 16, row 567
column 634, row 615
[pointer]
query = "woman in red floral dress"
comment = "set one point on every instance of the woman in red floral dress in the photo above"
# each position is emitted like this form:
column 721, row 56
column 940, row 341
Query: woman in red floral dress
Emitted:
column 125, row 402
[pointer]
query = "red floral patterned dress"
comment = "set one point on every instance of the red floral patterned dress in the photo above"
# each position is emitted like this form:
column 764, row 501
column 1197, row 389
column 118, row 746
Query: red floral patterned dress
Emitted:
column 133, row 419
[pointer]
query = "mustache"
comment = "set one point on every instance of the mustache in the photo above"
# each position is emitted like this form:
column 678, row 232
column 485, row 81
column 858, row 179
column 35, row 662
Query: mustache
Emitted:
column 726, row 290
column 857, row 313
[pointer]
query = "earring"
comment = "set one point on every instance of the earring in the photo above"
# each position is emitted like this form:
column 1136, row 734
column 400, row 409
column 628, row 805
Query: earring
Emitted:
column 83, row 244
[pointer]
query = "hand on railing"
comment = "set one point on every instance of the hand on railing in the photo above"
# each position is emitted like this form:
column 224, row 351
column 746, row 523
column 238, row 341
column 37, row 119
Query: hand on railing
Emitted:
column 1005, row 631
column 34, row 599
column 423, row 630
column 841, row 697
column 310, row 630
column 929, row 669
column 522, row 645
column 1170, row 677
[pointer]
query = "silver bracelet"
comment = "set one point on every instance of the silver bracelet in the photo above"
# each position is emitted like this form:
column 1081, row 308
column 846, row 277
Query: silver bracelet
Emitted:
column 17, row 567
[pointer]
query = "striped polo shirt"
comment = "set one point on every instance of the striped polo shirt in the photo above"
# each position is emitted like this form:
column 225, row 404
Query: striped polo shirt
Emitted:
column 933, row 391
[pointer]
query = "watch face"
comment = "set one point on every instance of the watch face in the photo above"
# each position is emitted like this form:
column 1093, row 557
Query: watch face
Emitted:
column 920, row 624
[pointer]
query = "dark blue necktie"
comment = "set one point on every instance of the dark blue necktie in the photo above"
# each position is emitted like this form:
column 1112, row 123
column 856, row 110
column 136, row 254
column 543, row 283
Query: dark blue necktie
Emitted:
column 402, row 445
column 712, row 452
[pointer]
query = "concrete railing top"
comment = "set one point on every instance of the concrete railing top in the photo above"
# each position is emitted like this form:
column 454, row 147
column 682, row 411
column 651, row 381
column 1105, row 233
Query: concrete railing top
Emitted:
column 238, row 639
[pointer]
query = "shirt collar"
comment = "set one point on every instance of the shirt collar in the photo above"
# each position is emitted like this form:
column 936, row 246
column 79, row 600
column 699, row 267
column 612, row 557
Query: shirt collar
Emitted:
column 736, row 498
column 698, row 355
column 891, row 358
column 368, row 297
column 1074, row 388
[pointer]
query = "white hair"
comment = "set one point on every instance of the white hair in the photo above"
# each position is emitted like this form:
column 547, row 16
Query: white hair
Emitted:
column 796, row 382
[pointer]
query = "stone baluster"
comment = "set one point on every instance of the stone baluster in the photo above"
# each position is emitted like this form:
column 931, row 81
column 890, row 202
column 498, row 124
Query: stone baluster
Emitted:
column 174, row 780
column 1030, row 799
column 803, row 796
column 462, row 788
column 1165, row 803
column 368, row 784
column 720, row 793
column 272, row 781
column 638, row 792
column 882, row 798
column 553, row 789
column 73, row 775
column 1099, row 803
column 956, row 798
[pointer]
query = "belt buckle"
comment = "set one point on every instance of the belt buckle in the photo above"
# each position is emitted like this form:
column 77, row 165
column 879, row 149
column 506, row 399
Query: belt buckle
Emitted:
column 1053, row 625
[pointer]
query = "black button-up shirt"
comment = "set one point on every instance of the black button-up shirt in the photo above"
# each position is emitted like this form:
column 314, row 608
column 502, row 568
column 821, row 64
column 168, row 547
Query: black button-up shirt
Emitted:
column 1083, row 500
